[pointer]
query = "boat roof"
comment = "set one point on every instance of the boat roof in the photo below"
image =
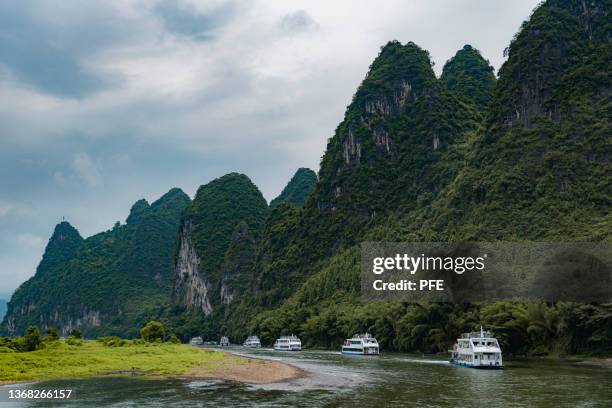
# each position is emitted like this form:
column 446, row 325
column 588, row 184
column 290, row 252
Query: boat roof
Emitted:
column 483, row 334
column 292, row 337
column 362, row 336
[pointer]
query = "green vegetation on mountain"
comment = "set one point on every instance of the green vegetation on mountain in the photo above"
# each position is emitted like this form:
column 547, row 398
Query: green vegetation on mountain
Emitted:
column 539, row 153
column 109, row 283
column 218, row 230
column 218, row 208
column 469, row 77
column 279, row 238
column 400, row 143
column 238, row 263
column 544, row 153
column 298, row 189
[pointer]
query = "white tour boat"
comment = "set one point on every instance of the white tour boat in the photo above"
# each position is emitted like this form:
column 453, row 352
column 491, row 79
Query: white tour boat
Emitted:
column 196, row 341
column 361, row 344
column 477, row 350
column 288, row 343
column 224, row 342
column 252, row 341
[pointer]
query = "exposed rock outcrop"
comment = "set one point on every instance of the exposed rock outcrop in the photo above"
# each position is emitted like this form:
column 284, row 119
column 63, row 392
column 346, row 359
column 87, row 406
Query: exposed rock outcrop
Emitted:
column 189, row 285
column 215, row 252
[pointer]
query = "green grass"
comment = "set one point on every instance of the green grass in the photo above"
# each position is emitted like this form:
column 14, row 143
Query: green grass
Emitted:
column 60, row 360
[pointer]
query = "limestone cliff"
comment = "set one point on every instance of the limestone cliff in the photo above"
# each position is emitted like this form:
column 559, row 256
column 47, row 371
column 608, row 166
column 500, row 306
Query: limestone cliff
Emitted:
column 226, row 215
column 195, row 291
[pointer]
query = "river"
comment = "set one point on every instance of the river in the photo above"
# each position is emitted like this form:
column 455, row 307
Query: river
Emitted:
column 334, row 380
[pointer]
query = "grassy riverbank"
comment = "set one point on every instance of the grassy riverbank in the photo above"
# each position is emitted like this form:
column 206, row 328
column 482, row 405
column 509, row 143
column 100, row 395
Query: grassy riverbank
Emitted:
column 59, row 360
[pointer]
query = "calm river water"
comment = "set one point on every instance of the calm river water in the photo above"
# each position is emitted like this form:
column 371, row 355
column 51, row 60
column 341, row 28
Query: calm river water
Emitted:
column 334, row 380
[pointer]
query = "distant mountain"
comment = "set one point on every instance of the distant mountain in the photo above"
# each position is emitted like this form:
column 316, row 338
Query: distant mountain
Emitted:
column 298, row 189
column 109, row 283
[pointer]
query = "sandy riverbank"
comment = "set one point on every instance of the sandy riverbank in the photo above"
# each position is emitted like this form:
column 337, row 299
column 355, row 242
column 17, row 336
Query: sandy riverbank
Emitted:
column 248, row 370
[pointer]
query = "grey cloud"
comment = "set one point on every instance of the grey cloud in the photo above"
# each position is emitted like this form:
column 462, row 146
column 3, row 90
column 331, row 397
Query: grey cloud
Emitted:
column 297, row 21
column 46, row 49
column 184, row 19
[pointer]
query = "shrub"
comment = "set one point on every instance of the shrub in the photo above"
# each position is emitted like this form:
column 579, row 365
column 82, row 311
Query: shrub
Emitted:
column 153, row 331
column 111, row 341
column 51, row 334
column 31, row 339
column 74, row 341
column 76, row 333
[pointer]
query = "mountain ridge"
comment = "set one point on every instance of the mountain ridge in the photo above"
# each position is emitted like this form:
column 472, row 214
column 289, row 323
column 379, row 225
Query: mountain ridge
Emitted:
column 107, row 283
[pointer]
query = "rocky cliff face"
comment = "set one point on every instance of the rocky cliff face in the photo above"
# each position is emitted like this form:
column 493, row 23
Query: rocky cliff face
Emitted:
column 194, row 290
column 58, row 318
column 226, row 215
column 394, row 131
column 544, row 153
column 400, row 144
column 559, row 36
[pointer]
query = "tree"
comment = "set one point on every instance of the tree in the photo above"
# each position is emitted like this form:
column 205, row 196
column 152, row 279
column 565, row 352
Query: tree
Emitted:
column 76, row 333
column 32, row 338
column 51, row 333
column 153, row 331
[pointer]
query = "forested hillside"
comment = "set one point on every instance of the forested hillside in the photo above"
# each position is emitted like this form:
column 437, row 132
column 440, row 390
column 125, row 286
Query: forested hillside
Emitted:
column 109, row 283
column 530, row 163
column 227, row 213
column 298, row 189
column 399, row 144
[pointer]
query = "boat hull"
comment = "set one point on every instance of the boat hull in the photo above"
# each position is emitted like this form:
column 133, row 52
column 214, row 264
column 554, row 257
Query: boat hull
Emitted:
column 478, row 367
column 359, row 353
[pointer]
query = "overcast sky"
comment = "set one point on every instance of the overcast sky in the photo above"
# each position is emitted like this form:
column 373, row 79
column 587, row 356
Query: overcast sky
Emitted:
column 105, row 102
